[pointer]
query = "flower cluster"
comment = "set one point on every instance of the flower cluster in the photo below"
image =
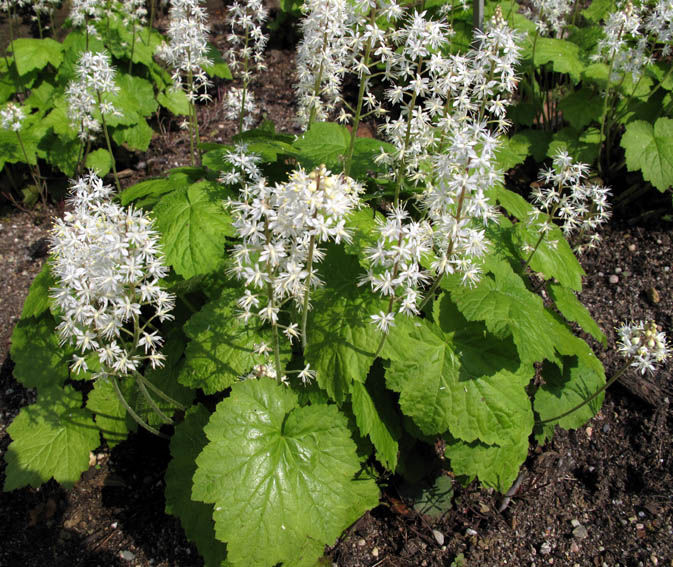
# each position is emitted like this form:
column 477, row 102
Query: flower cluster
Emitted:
column 321, row 56
column 11, row 117
column 187, row 49
column 394, row 264
column 643, row 344
column 246, row 38
column 624, row 46
column 563, row 196
column 242, row 166
column 134, row 13
column 239, row 103
column 89, row 94
column 86, row 13
column 281, row 228
column 550, row 16
column 108, row 263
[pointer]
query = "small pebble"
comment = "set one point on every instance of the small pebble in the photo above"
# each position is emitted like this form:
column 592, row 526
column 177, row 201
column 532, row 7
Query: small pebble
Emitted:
column 545, row 548
column 632, row 247
column 618, row 270
column 439, row 536
column 606, row 428
column 580, row 532
column 613, row 279
column 471, row 532
column 127, row 555
column 574, row 548
column 375, row 552
column 362, row 543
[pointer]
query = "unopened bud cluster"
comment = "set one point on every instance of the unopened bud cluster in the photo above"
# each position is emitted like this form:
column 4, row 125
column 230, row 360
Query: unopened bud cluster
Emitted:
column 108, row 262
column 643, row 344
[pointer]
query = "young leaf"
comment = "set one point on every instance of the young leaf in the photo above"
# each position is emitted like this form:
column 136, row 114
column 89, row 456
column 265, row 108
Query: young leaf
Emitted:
column 175, row 101
column 195, row 517
column 375, row 418
column 512, row 151
column 194, row 225
column 597, row 10
column 650, row 149
column 99, row 161
column 342, row 340
column 219, row 67
column 563, row 55
column 147, row 193
column 136, row 137
column 38, row 300
column 324, row 142
column 564, row 389
column 538, row 142
column 496, row 466
column 281, row 476
column 40, row 361
column 458, row 377
column 581, row 107
column 134, row 100
column 581, row 145
column 222, row 348
column 31, row 54
column 50, row 438
column 567, row 303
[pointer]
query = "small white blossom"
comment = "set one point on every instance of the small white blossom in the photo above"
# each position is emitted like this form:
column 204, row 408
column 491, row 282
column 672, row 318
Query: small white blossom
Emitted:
column 643, row 344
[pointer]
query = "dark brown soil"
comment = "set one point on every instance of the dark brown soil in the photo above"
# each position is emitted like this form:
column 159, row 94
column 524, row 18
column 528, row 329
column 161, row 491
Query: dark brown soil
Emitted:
column 599, row 496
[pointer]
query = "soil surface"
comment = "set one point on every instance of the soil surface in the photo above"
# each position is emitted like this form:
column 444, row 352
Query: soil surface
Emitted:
column 598, row 496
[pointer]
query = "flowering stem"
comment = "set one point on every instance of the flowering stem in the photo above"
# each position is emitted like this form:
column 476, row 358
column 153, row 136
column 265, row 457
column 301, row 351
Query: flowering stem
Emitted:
column 151, row 22
column 606, row 100
column 245, row 84
column 161, row 393
column 37, row 176
column 309, row 263
column 107, row 141
column 591, row 398
column 132, row 413
column 152, row 403
column 133, row 47
column 537, row 245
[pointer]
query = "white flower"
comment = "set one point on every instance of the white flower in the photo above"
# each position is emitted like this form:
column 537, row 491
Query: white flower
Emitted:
column 11, row 117
column 643, row 344
column 106, row 293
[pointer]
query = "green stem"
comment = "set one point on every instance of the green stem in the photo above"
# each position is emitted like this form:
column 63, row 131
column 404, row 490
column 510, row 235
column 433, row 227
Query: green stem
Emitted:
column 161, row 393
column 35, row 173
column 589, row 399
column 537, row 245
column 606, row 106
column 109, row 145
column 152, row 403
column 133, row 47
column 151, row 21
column 132, row 413
column 241, row 113
column 309, row 264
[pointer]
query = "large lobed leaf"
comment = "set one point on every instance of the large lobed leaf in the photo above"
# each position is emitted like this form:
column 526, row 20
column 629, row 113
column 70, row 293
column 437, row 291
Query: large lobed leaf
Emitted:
column 50, row 438
column 281, row 476
column 458, row 377
column 222, row 348
column 194, row 224
column 196, row 517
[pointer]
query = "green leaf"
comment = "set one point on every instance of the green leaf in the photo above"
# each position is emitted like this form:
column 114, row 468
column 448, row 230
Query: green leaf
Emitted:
column 496, row 466
column 567, row 303
column 597, row 10
column 650, row 149
column 62, row 151
column 50, row 438
column 512, row 151
column 41, row 96
column 513, row 203
column 281, row 476
column 38, row 300
column 579, row 379
column 196, row 517
column 661, row 71
column 581, row 145
column 147, row 193
column 175, row 101
column 136, row 137
column 342, row 340
column 324, row 142
column 502, row 301
column 563, row 55
column 538, row 141
column 110, row 414
column 596, row 73
column 40, row 361
column 194, row 225
column 222, row 348
column 554, row 258
column 581, row 107
column 458, row 377
column 364, row 231
column 31, row 54
column 375, row 418
column 433, row 500
column 134, row 99
column 99, row 161
column 364, row 152
column 219, row 67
